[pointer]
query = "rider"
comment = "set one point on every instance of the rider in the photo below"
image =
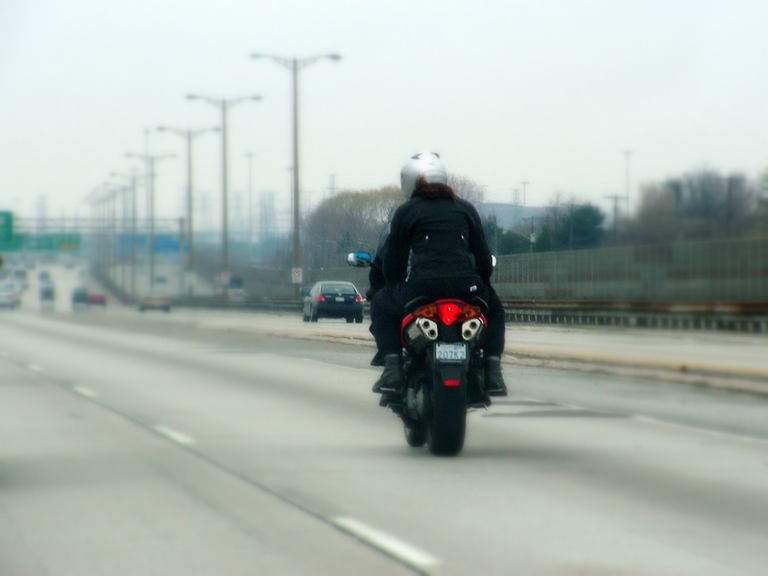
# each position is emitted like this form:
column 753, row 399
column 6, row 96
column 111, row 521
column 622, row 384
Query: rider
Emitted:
column 435, row 248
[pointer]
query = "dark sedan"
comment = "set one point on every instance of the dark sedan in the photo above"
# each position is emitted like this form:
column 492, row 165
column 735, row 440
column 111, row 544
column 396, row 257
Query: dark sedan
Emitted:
column 333, row 299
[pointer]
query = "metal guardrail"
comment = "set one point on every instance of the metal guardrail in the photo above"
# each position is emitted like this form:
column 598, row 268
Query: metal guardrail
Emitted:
column 743, row 317
column 749, row 317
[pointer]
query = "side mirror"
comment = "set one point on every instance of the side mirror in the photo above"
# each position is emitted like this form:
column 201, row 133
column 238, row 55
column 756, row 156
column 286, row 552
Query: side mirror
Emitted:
column 304, row 292
column 359, row 259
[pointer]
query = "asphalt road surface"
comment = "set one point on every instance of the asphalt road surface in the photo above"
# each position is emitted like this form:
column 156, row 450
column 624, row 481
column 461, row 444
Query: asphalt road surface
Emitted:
column 134, row 444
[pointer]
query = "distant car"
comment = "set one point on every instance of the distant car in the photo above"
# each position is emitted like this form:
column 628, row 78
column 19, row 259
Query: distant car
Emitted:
column 156, row 299
column 20, row 276
column 43, row 275
column 9, row 296
column 47, row 291
column 96, row 298
column 236, row 290
column 333, row 299
column 79, row 298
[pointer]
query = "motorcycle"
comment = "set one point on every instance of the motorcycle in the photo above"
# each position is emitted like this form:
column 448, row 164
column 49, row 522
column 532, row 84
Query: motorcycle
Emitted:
column 442, row 363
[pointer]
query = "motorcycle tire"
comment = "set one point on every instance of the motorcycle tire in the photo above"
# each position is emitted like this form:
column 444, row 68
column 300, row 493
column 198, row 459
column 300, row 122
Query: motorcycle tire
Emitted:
column 415, row 434
column 446, row 421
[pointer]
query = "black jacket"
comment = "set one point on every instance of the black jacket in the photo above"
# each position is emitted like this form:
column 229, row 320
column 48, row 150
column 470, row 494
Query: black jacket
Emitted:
column 435, row 238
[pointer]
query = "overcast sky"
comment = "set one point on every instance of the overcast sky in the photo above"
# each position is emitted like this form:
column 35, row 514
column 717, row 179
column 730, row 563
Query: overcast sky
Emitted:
column 551, row 92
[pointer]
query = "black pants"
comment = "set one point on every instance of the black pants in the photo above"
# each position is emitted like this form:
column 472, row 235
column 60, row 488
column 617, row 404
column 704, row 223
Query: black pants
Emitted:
column 388, row 309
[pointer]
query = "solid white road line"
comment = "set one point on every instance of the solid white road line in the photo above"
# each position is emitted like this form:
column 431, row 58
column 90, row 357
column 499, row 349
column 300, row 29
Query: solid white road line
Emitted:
column 83, row 391
column 688, row 428
column 386, row 542
column 175, row 435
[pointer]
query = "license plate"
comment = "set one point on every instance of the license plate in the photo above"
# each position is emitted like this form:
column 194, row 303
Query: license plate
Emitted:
column 339, row 298
column 450, row 352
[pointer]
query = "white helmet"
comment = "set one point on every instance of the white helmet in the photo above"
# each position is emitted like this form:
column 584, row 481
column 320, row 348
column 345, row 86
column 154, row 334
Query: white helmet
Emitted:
column 426, row 164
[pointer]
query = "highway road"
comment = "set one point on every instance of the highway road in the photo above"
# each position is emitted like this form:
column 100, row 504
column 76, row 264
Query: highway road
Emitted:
column 143, row 444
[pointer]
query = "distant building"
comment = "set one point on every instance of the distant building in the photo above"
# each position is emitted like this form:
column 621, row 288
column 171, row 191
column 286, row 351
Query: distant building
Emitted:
column 510, row 216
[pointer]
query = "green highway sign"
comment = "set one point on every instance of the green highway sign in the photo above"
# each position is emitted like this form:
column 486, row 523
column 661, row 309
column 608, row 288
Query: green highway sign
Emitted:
column 41, row 242
column 6, row 227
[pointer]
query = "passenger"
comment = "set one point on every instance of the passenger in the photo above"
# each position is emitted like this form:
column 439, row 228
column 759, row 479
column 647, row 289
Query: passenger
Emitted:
column 435, row 248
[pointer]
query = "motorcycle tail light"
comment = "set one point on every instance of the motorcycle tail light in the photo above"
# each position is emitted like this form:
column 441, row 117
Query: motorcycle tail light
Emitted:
column 428, row 311
column 470, row 311
column 320, row 298
column 452, row 383
column 448, row 312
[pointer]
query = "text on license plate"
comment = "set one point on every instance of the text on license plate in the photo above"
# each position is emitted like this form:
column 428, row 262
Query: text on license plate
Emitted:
column 339, row 298
column 450, row 352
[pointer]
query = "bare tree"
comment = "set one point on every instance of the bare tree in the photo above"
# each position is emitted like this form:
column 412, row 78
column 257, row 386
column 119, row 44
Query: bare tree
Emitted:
column 351, row 220
column 702, row 205
column 466, row 188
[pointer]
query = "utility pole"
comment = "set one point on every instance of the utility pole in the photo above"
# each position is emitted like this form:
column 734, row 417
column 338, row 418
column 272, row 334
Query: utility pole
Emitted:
column 615, row 198
column 524, row 183
column 628, row 154
column 532, row 220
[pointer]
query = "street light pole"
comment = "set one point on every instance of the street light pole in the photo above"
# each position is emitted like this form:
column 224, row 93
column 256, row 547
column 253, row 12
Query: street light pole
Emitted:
column 151, row 161
column 250, row 157
column 129, row 212
column 189, row 135
column 294, row 65
column 224, row 104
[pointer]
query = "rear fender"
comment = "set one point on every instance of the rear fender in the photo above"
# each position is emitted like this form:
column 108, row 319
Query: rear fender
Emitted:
column 449, row 377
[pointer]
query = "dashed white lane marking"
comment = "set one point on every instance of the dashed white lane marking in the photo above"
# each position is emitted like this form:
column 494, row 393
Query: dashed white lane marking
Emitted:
column 386, row 542
column 35, row 367
column 175, row 435
column 83, row 391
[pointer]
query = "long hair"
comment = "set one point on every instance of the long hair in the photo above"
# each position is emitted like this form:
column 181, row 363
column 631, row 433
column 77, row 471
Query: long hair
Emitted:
column 432, row 190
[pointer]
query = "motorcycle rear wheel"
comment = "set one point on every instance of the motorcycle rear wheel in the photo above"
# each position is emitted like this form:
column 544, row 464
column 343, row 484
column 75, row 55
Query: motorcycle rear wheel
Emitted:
column 447, row 420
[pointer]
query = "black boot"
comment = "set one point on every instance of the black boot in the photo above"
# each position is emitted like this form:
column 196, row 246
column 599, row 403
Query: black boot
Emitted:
column 391, row 379
column 494, row 381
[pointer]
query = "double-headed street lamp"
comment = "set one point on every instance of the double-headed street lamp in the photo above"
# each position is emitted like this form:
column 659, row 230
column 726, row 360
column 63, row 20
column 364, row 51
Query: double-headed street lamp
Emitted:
column 151, row 160
column 133, row 179
column 294, row 65
column 188, row 135
column 224, row 104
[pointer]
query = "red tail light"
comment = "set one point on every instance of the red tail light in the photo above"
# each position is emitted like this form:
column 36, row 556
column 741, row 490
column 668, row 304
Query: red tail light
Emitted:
column 320, row 298
column 452, row 383
column 448, row 312
column 358, row 299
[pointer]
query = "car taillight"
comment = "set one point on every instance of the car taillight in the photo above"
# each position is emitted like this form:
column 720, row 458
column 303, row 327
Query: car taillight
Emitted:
column 320, row 298
column 358, row 299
